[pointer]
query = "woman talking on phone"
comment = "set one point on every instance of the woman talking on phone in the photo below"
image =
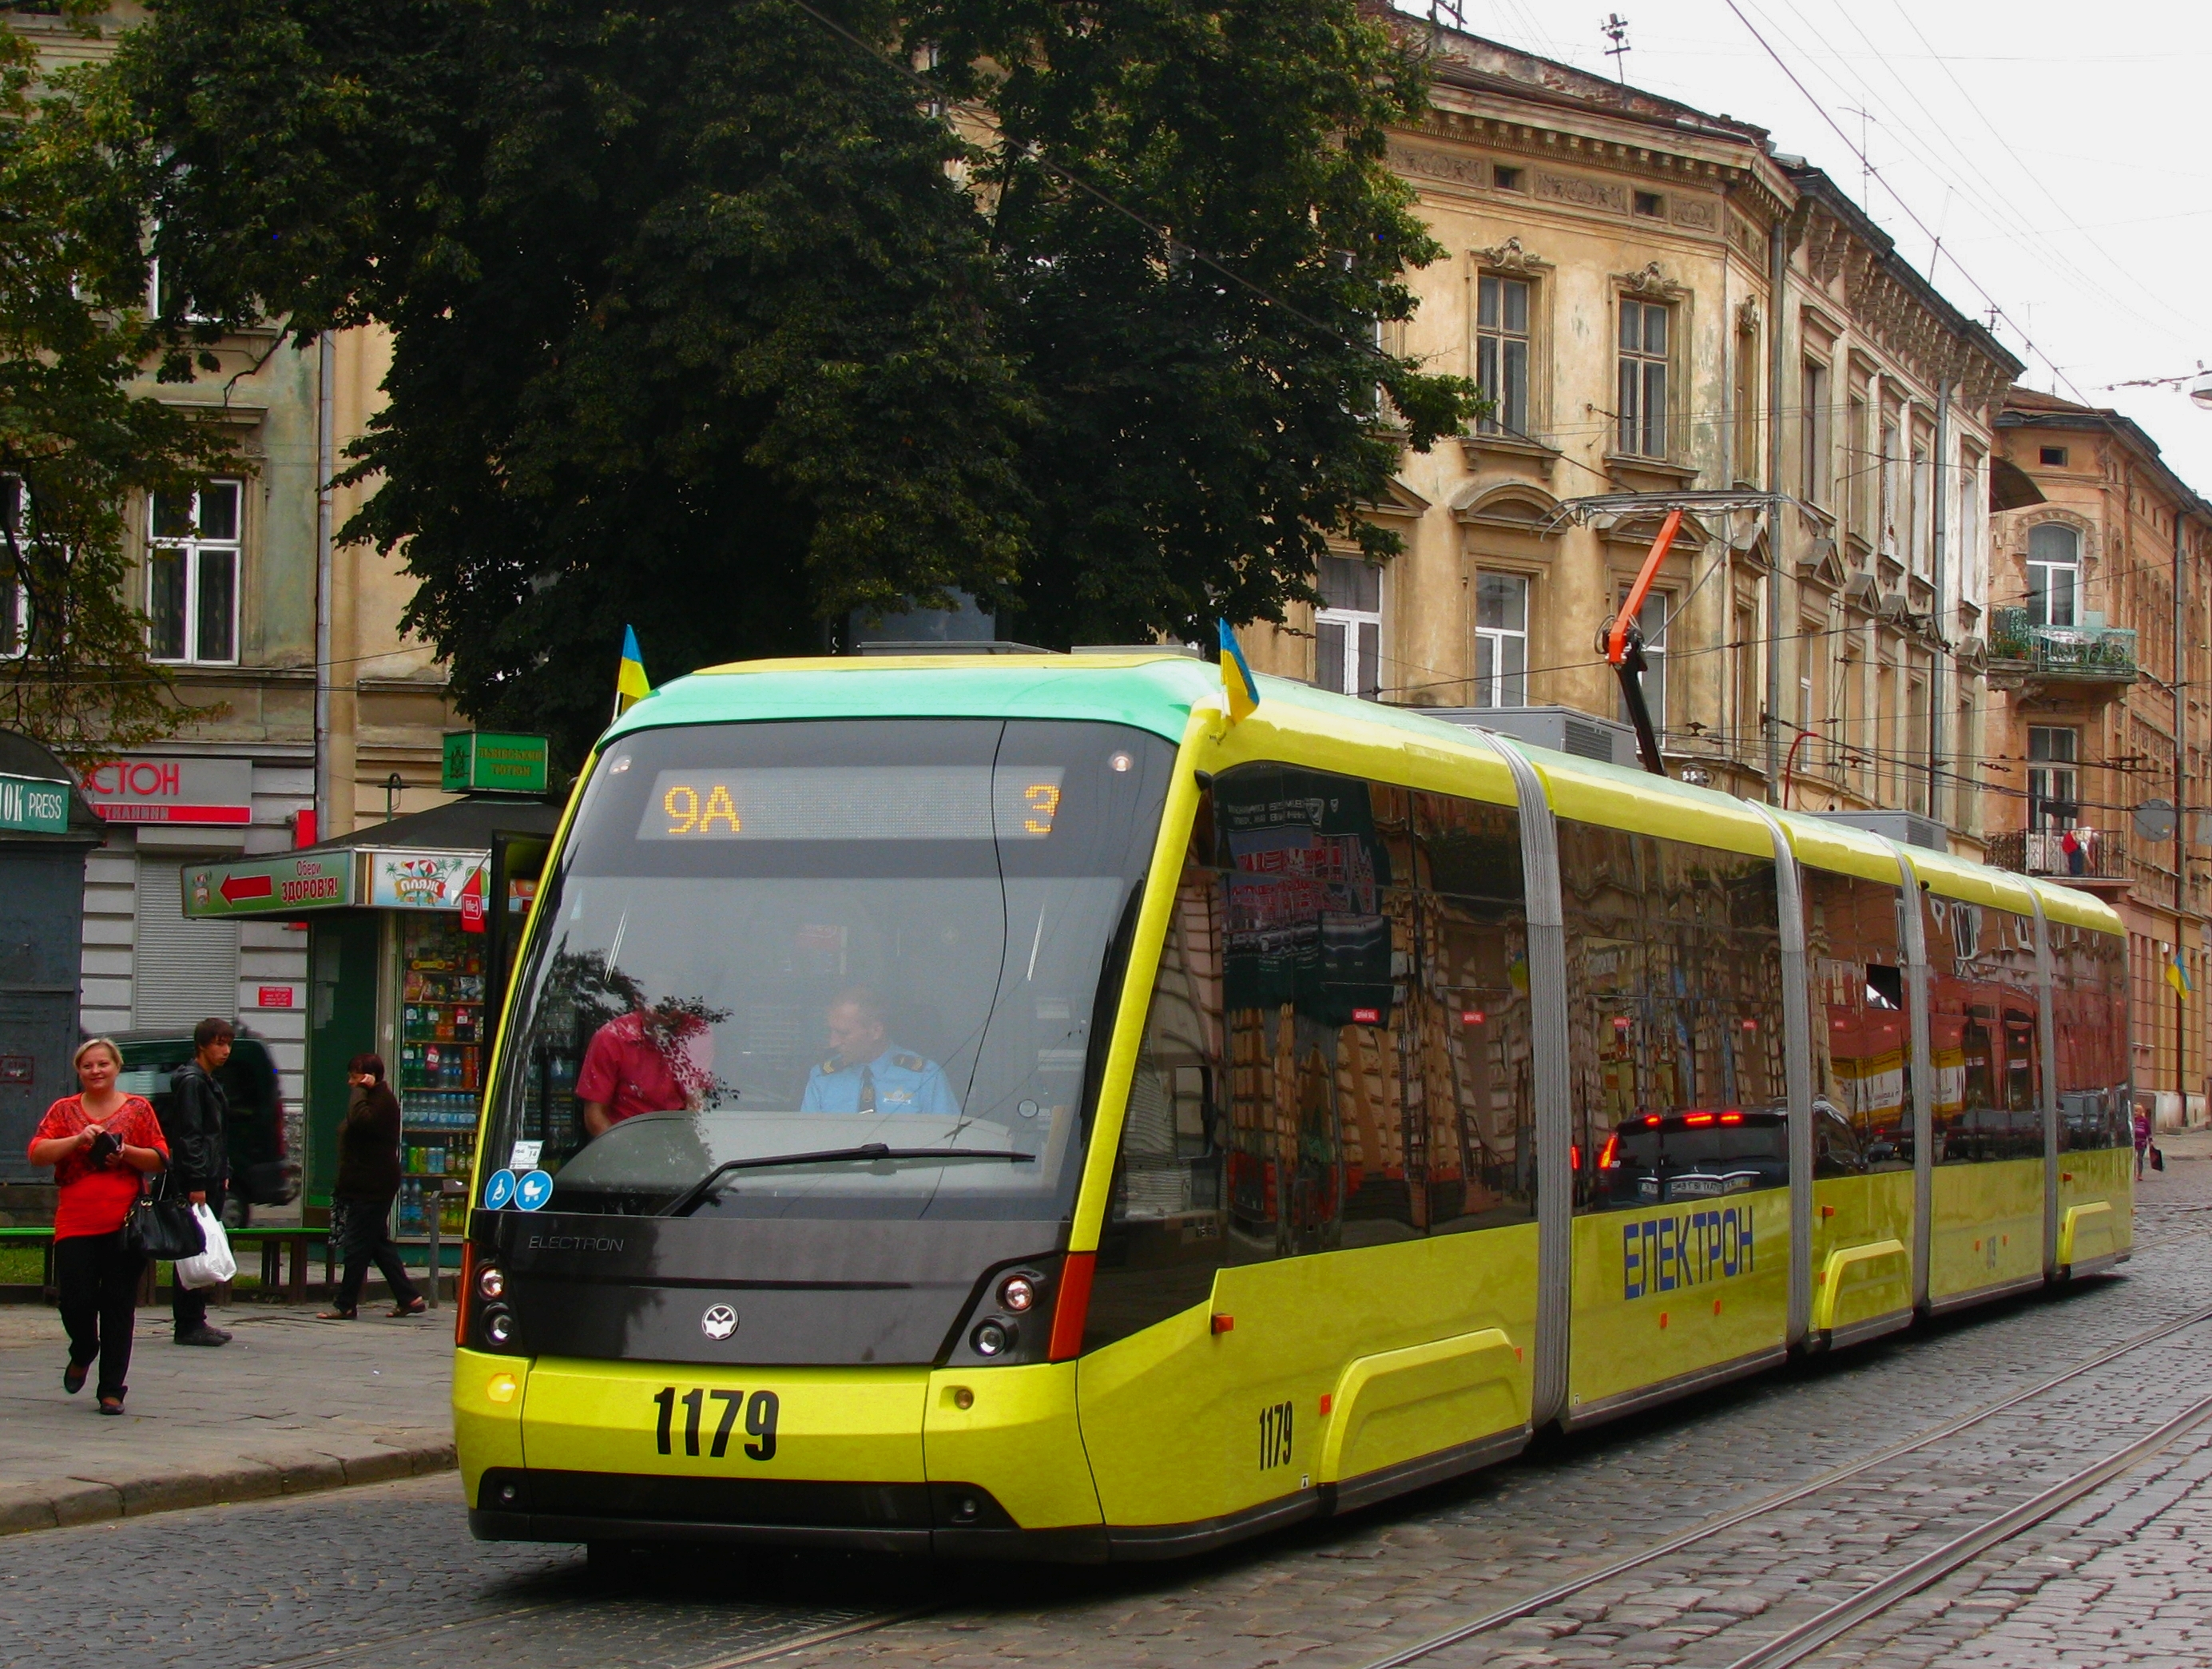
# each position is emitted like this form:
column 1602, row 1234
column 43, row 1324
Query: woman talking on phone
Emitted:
column 100, row 1141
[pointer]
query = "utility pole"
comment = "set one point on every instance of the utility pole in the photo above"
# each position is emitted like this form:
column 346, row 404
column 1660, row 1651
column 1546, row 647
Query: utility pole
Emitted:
column 2180, row 831
column 1940, row 476
column 1616, row 29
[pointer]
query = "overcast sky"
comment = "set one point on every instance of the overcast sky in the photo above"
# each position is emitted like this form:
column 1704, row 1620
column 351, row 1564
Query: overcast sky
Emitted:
column 2057, row 150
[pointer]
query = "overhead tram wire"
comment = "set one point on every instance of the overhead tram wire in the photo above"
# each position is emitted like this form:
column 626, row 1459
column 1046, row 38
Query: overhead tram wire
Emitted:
column 1997, row 306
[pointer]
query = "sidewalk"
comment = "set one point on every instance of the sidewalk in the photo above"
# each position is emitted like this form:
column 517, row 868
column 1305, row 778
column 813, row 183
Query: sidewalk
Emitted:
column 291, row 1404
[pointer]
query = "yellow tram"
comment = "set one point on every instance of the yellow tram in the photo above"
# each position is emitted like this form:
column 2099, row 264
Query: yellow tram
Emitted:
column 1002, row 1105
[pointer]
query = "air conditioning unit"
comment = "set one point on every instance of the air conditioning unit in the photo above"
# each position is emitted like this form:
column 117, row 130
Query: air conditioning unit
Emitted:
column 1563, row 729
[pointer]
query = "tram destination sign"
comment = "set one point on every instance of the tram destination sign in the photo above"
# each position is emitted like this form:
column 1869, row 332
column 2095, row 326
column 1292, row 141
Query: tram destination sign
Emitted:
column 34, row 805
column 271, row 886
column 484, row 762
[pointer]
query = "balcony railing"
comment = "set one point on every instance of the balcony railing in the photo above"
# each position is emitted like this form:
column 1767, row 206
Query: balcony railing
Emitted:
column 2097, row 854
column 2088, row 655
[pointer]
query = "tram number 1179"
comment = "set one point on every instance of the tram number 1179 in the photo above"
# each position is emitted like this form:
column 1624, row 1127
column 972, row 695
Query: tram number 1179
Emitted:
column 760, row 1420
column 1275, row 1436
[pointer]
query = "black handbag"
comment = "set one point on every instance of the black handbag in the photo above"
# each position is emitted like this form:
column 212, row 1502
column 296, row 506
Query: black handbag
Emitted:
column 163, row 1228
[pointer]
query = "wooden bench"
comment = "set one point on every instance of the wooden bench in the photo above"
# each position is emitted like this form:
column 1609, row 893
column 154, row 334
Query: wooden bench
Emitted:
column 274, row 1242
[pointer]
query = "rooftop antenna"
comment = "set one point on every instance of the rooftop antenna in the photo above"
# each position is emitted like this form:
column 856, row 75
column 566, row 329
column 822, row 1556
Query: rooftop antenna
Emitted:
column 1616, row 29
column 1444, row 11
column 1866, row 159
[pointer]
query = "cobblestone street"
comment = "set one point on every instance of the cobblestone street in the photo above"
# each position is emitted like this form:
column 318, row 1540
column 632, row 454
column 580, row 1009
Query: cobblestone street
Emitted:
column 387, row 1573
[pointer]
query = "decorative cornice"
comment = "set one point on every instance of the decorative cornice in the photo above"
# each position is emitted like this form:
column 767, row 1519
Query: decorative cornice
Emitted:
column 1510, row 257
column 1650, row 283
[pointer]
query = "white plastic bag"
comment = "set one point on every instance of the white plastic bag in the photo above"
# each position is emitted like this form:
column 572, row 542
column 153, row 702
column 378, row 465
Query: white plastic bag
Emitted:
column 214, row 1265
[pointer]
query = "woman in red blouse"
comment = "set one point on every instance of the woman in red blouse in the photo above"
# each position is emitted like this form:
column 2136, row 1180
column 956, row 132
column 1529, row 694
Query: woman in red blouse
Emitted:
column 100, row 1141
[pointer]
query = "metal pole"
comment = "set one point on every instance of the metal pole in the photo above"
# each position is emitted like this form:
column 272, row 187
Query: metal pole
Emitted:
column 2180, row 831
column 1939, row 479
column 325, row 466
column 1777, row 274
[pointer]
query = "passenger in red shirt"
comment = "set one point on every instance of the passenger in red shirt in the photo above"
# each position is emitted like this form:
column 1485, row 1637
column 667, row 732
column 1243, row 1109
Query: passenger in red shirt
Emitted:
column 100, row 1141
column 646, row 1061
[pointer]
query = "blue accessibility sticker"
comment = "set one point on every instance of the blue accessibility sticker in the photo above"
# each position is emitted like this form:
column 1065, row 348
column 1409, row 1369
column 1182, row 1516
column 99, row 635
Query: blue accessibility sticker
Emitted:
column 499, row 1190
column 533, row 1190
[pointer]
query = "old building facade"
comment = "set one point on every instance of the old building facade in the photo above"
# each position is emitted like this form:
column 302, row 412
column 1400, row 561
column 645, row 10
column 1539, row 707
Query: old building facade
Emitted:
column 2098, row 703
column 1658, row 301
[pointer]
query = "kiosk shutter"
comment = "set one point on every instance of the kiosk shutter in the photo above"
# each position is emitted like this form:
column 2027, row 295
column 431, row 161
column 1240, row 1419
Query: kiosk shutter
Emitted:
column 183, row 970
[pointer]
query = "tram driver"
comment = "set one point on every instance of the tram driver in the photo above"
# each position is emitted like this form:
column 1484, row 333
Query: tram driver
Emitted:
column 866, row 1072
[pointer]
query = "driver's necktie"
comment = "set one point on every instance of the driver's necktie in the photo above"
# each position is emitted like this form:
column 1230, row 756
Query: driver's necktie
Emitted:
column 867, row 1091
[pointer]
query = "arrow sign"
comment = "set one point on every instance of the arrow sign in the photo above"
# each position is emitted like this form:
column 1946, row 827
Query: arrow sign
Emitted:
column 235, row 887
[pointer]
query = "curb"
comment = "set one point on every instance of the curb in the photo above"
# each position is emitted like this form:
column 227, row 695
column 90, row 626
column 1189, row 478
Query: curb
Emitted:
column 59, row 1503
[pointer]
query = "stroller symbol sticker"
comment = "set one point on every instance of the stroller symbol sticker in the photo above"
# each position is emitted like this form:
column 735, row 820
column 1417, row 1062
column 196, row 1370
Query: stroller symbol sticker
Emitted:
column 719, row 1321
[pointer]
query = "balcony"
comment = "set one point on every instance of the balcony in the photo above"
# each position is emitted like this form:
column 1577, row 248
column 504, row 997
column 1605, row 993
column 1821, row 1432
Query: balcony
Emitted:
column 2085, row 656
column 2098, row 854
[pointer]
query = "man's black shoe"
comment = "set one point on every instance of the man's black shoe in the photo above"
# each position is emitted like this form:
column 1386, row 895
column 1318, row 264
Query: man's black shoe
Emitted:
column 204, row 1336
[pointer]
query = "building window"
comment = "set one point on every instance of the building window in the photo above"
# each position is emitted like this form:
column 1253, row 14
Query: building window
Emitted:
column 2054, row 575
column 1501, row 352
column 2055, row 456
column 15, row 596
column 1506, row 178
column 1861, row 462
column 1812, row 465
column 1652, row 203
column 2054, row 793
column 191, row 575
column 1885, row 531
column 1348, row 628
column 1921, row 519
column 1643, row 401
column 1746, row 404
column 1652, row 619
column 1501, row 640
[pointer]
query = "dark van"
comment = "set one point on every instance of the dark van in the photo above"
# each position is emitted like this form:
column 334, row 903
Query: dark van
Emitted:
column 262, row 1171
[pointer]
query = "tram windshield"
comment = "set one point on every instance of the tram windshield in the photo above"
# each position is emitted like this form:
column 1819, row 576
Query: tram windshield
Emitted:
column 828, row 969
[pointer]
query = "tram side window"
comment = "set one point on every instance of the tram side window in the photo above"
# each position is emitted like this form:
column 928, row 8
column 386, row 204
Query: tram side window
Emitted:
column 2090, row 1000
column 1861, row 1032
column 1676, row 1041
column 1337, row 1051
column 1984, row 1032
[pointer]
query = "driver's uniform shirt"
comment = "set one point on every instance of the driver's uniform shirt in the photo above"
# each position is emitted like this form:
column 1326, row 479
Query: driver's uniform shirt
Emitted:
column 895, row 1081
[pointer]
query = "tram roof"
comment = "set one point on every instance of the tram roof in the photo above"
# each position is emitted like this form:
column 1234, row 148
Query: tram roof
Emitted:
column 1158, row 693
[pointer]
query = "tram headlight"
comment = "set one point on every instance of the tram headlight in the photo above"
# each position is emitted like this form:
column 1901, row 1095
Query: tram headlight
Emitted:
column 498, row 1326
column 993, row 1337
column 1017, row 1293
column 490, row 1281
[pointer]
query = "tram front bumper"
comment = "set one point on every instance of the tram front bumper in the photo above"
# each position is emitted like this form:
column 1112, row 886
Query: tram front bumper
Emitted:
column 883, row 1459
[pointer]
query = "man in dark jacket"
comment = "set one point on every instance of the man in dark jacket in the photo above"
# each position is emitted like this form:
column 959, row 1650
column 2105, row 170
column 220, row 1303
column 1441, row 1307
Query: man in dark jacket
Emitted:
column 197, row 1128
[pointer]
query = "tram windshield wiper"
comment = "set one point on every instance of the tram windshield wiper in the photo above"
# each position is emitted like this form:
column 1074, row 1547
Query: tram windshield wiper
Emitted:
column 691, row 1197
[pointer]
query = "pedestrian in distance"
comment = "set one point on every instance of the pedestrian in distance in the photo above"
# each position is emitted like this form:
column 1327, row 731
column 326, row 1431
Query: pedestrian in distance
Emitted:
column 101, row 1143
column 2142, row 1138
column 360, row 1200
column 197, row 1127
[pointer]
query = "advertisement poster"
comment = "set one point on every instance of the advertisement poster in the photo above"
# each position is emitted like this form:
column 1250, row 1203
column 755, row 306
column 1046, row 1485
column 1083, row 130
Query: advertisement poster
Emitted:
column 422, row 881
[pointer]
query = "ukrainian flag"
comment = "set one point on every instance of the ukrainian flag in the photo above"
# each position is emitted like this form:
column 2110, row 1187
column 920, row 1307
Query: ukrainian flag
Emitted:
column 2176, row 975
column 631, row 686
column 1236, row 680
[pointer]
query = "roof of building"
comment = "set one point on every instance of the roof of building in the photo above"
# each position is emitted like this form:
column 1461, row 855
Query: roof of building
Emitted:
column 2030, row 408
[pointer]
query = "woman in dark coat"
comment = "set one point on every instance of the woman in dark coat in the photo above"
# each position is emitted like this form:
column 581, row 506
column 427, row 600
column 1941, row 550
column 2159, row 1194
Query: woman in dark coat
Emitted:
column 368, row 1182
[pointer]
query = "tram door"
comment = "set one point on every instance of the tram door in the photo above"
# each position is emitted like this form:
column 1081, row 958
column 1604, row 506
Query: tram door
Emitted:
column 1681, row 1148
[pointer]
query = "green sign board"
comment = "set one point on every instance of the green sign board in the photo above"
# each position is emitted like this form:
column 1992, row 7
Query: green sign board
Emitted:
column 34, row 805
column 271, row 887
column 483, row 762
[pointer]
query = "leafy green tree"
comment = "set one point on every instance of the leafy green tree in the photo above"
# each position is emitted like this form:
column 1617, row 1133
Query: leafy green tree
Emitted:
column 718, row 318
column 77, row 440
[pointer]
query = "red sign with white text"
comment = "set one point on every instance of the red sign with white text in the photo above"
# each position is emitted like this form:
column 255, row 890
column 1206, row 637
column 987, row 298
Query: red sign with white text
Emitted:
column 196, row 791
column 273, row 997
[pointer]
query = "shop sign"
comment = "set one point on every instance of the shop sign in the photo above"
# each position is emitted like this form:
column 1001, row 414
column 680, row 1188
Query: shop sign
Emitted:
column 275, row 997
column 196, row 791
column 275, row 886
column 422, row 880
column 485, row 762
column 34, row 805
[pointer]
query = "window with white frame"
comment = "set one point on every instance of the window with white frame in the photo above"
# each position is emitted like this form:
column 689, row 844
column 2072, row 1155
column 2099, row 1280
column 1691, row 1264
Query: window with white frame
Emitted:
column 1501, row 640
column 1348, row 627
column 1501, row 351
column 15, row 596
column 2054, row 793
column 1651, row 620
column 192, row 574
column 2054, row 575
column 1642, row 402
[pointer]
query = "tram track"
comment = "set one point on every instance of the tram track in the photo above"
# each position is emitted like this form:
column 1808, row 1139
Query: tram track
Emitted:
column 1886, row 1590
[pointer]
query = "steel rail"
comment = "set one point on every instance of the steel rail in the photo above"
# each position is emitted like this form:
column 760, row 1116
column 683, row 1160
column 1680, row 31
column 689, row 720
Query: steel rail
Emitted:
column 1575, row 1584
column 1878, row 1596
